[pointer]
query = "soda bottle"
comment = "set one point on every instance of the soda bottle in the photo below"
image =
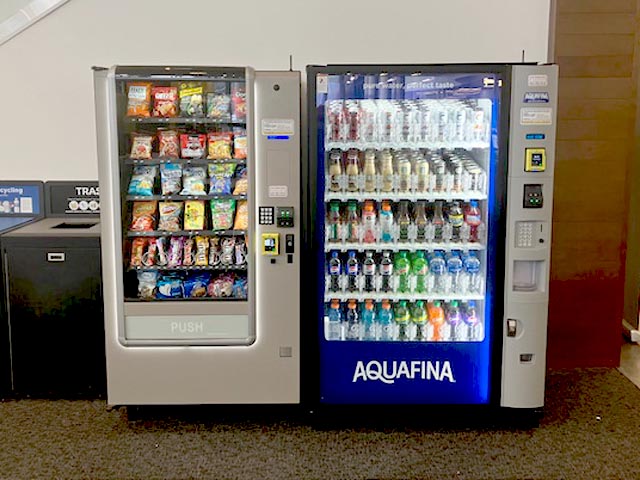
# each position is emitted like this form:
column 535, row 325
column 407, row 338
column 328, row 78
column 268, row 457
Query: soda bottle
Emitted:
column 386, row 327
column 386, row 169
column 454, row 272
column 353, row 325
column 473, row 218
column 437, row 269
column 335, row 269
column 404, row 221
column 335, row 171
column 404, row 172
column 353, row 272
column 438, row 221
column 455, row 321
column 386, row 272
column 436, row 321
column 472, row 271
column 456, row 219
column 334, row 324
column 370, row 171
column 470, row 318
column 386, row 223
column 402, row 320
column 420, row 268
column 353, row 222
column 353, row 170
column 369, row 222
column 419, row 319
column 369, row 327
column 334, row 222
column 421, row 222
column 369, row 272
column 401, row 267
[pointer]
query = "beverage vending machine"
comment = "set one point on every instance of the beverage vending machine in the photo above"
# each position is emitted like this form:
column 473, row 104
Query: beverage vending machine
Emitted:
column 199, row 180
column 430, row 228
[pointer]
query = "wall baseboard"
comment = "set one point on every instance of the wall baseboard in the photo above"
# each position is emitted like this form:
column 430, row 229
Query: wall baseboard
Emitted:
column 630, row 332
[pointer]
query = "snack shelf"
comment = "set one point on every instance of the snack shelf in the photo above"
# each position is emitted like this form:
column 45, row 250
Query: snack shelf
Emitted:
column 191, row 268
column 361, row 145
column 183, row 161
column 394, row 297
column 186, row 299
column 397, row 196
column 187, row 233
column 183, row 197
column 396, row 247
column 185, row 120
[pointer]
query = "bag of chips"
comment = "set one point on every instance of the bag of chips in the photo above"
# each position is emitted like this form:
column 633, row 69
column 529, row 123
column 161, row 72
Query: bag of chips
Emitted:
column 171, row 178
column 191, row 99
column 220, row 145
column 221, row 286
column 239, row 101
column 240, row 253
column 222, row 210
column 149, row 257
column 194, row 215
column 214, row 251
column 188, row 251
column 141, row 147
column 174, row 257
column 168, row 144
column 220, row 176
column 138, row 99
column 165, row 101
column 170, row 213
column 193, row 145
column 219, row 106
column 193, row 181
column 242, row 182
column 239, row 143
column 242, row 216
column 147, row 283
column 240, row 287
column 144, row 216
column 161, row 248
column 170, row 286
column 202, row 250
column 137, row 251
column 196, row 284
column 227, row 246
column 142, row 181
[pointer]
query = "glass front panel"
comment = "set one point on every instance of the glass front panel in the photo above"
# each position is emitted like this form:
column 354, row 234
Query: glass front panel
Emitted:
column 184, row 186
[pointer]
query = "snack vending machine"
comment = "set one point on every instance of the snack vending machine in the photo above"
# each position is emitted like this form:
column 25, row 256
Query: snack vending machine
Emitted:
column 431, row 229
column 199, row 181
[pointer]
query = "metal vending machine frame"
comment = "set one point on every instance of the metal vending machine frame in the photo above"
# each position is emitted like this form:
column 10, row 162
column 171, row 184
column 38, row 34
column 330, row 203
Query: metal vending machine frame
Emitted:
column 224, row 352
column 509, row 370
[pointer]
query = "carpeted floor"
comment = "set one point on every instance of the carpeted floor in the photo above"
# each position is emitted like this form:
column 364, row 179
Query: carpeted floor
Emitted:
column 590, row 430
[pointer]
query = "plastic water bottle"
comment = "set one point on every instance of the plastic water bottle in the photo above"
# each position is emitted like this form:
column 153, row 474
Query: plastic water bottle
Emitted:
column 402, row 266
column 353, row 272
column 335, row 269
column 386, row 272
column 334, row 324
column 420, row 268
column 454, row 273
column 386, row 326
column 353, row 325
column 454, row 320
column 419, row 320
column 369, row 327
column 369, row 272
column 472, row 270
column 437, row 268
column 402, row 320
column 470, row 318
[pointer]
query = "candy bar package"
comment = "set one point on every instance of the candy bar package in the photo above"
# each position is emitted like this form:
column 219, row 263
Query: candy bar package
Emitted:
column 220, row 145
column 202, row 251
column 193, row 145
column 138, row 99
column 137, row 251
column 147, row 284
column 240, row 257
column 142, row 181
column 188, row 252
column 165, row 101
column 141, row 147
column 194, row 215
column 149, row 257
column 222, row 211
column 239, row 143
column 144, row 216
column 193, row 181
column 174, row 257
column 241, row 221
column 191, row 99
column 196, row 284
column 170, row 286
column 170, row 215
column 214, row 251
column 227, row 247
column 242, row 182
column 240, row 287
column 220, row 178
column 239, row 102
column 168, row 144
column 161, row 249
column 171, row 178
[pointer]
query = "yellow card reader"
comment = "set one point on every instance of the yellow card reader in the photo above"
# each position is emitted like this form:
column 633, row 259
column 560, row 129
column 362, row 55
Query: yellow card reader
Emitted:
column 270, row 244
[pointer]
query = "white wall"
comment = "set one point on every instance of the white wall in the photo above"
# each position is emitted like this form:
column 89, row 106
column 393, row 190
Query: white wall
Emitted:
column 47, row 126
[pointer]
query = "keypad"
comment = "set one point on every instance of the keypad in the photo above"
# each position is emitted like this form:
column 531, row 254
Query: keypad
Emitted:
column 265, row 215
column 524, row 234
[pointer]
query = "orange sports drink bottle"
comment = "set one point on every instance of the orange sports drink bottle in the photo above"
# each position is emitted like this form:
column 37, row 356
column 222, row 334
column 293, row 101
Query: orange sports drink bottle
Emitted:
column 436, row 319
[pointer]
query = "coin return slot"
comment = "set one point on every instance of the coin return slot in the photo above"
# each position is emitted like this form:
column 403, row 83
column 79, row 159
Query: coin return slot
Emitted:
column 74, row 226
column 526, row 357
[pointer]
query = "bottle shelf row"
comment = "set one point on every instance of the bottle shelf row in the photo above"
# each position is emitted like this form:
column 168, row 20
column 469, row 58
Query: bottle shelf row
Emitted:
column 397, row 196
column 381, row 145
column 399, row 296
column 407, row 246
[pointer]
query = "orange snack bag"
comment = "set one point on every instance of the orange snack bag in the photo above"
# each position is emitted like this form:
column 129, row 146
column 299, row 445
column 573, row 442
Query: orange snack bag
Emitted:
column 139, row 99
